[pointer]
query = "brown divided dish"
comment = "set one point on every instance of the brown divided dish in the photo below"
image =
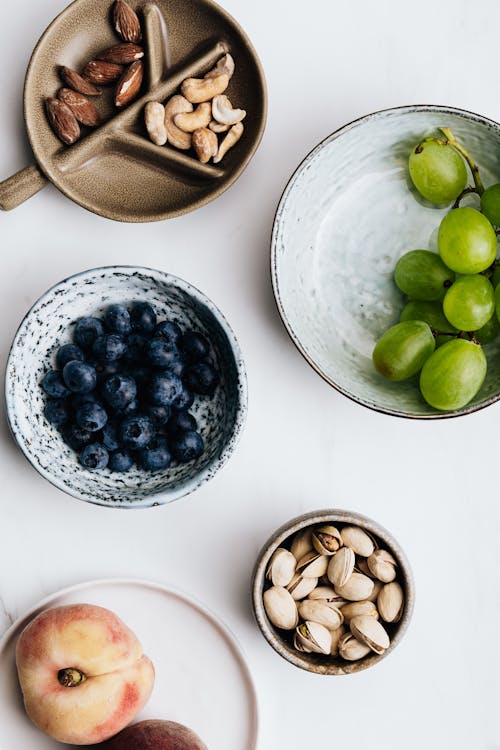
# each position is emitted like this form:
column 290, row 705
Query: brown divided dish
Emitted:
column 115, row 170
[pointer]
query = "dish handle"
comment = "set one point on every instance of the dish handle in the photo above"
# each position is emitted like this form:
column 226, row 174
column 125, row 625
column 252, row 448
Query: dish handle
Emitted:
column 21, row 186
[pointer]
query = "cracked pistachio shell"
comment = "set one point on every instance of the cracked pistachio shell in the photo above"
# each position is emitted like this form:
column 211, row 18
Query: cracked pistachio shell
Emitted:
column 299, row 646
column 353, row 609
column 341, row 566
column 323, row 612
column 357, row 540
column 351, row 649
column 301, row 544
column 336, row 636
column 390, row 602
column 382, row 565
column 312, row 565
column 357, row 588
column 300, row 587
column 315, row 637
column 281, row 608
column 369, row 631
column 328, row 594
column 326, row 539
column 281, row 567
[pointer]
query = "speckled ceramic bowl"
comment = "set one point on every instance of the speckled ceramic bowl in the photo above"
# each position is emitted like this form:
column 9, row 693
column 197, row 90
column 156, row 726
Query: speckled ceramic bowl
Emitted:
column 346, row 216
column 282, row 641
column 49, row 324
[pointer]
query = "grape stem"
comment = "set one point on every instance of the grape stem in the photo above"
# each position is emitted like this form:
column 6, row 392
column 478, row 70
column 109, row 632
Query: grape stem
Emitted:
column 462, row 195
column 452, row 141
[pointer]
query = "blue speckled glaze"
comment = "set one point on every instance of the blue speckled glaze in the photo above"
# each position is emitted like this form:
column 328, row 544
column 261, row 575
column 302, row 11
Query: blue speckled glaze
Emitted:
column 346, row 216
column 50, row 323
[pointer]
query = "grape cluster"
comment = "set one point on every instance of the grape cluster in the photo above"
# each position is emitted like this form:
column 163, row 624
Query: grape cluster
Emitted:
column 121, row 392
column 453, row 298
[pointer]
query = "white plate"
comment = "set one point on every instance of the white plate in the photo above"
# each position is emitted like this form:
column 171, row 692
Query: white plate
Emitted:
column 202, row 679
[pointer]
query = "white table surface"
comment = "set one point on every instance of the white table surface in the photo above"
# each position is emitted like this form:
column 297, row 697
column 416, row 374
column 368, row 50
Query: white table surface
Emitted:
column 434, row 485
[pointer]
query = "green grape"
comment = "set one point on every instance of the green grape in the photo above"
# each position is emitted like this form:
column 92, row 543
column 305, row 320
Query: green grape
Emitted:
column 453, row 375
column 495, row 279
column 490, row 204
column 467, row 241
column 422, row 275
column 403, row 349
column 437, row 171
column 488, row 332
column 469, row 303
column 497, row 301
column 432, row 314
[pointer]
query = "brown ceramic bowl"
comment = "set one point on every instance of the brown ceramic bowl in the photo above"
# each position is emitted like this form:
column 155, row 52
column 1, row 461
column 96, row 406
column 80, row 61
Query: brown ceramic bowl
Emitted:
column 115, row 170
column 281, row 640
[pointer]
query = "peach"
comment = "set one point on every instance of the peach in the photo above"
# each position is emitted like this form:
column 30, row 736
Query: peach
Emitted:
column 155, row 735
column 82, row 672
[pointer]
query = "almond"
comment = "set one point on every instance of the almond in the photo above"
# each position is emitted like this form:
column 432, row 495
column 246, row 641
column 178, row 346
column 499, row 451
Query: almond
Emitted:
column 62, row 120
column 74, row 80
column 101, row 72
column 126, row 22
column 123, row 54
column 82, row 108
column 129, row 84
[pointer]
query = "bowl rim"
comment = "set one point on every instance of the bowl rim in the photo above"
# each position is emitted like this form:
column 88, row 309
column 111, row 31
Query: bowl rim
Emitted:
column 407, row 108
column 155, row 499
column 328, row 515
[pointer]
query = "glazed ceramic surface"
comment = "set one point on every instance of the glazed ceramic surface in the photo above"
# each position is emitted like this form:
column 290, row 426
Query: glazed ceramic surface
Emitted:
column 189, row 648
column 329, row 665
column 348, row 213
column 50, row 323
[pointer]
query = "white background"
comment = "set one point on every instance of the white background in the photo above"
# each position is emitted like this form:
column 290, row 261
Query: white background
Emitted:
column 434, row 485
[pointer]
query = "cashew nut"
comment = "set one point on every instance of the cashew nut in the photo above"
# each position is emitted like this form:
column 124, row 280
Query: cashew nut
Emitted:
column 218, row 127
column 175, row 106
column 224, row 65
column 205, row 144
column 231, row 138
column 223, row 112
column 154, row 117
column 191, row 121
column 198, row 90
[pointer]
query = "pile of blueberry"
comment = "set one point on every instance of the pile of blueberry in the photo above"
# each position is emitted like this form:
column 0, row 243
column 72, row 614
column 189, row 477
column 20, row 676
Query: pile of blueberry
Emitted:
column 122, row 391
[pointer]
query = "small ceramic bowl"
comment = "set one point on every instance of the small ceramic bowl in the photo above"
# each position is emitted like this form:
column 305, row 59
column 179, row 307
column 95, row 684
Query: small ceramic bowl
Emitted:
column 49, row 324
column 282, row 641
column 346, row 216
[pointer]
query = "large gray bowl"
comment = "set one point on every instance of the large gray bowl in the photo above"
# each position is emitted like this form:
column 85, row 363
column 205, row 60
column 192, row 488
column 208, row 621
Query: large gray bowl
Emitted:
column 346, row 216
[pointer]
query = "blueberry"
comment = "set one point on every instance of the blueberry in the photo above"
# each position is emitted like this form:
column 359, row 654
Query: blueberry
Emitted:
column 201, row 378
column 181, row 421
column 54, row 386
column 119, row 390
column 80, row 377
column 178, row 367
column 94, row 456
column 131, row 409
column 117, row 319
column 187, row 446
column 195, row 346
column 75, row 437
column 83, row 398
column 136, row 347
column 136, row 432
column 109, row 348
column 91, row 417
column 184, row 400
column 156, row 456
column 161, row 353
column 158, row 414
column 56, row 411
column 164, row 388
column 105, row 369
column 142, row 317
column 120, row 461
column 109, row 436
column 86, row 332
column 169, row 331
column 67, row 353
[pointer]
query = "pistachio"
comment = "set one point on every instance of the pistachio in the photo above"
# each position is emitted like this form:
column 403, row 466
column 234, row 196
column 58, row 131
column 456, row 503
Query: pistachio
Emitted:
column 312, row 565
column 382, row 565
column 328, row 594
column 281, row 608
column 315, row 637
column 390, row 602
column 326, row 540
column 377, row 588
column 341, row 566
column 336, row 636
column 301, row 544
column 357, row 540
column 353, row 609
column 299, row 645
column 320, row 611
column 362, row 567
column 281, row 567
column 358, row 587
column 300, row 587
column 351, row 649
column 369, row 631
